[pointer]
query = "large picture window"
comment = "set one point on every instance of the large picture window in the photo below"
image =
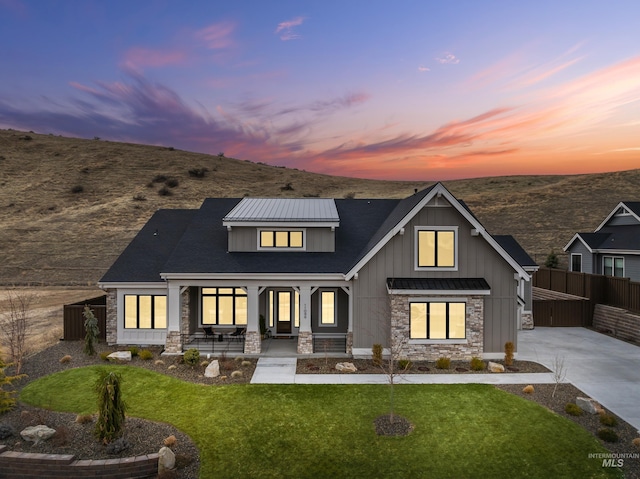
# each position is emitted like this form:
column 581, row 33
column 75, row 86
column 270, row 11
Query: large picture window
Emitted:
column 281, row 239
column 145, row 312
column 436, row 248
column 613, row 266
column 435, row 320
column 224, row 306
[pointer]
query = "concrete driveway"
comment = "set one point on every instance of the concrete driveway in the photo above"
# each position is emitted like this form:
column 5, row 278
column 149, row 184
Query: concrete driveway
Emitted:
column 605, row 368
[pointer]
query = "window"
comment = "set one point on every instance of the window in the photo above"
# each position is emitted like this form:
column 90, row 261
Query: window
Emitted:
column 434, row 320
column 224, row 306
column 613, row 266
column 436, row 248
column 281, row 239
column 145, row 312
column 576, row 262
column 328, row 308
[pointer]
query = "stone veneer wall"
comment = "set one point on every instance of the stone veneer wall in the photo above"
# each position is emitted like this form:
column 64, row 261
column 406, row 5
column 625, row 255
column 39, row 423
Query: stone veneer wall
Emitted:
column 185, row 312
column 404, row 347
column 19, row 465
column 112, row 316
column 349, row 348
column 305, row 342
column 527, row 320
column 252, row 343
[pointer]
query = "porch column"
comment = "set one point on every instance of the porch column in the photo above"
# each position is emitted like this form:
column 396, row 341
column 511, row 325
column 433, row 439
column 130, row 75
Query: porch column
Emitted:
column 173, row 342
column 252, row 343
column 305, row 337
column 349, row 344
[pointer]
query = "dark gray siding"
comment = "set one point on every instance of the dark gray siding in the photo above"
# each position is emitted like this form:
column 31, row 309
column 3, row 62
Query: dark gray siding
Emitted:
column 245, row 238
column 587, row 257
column 476, row 259
column 343, row 313
column 622, row 220
column 632, row 267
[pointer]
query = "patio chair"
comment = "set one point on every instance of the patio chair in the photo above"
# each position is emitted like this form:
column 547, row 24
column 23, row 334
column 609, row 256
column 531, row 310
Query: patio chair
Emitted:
column 208, row 333
column 239, row 334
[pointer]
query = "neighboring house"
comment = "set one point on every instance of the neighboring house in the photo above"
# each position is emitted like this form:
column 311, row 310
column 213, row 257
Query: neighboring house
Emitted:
column 421, row 272
column 613, row 249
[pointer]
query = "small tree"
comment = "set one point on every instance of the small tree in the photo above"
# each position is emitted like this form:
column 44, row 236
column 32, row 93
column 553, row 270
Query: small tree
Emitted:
column 91, row 327
column 508, row 353
column 552, row 260
column 111, row 407
column 559, row 373
column 14, row 326
column 7, row 398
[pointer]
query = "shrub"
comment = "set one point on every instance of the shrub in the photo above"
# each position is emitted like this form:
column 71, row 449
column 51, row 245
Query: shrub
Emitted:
column 204, row 364
column 192, row 357
column 608, row 420
column 7, row 398
column 117, row 446
column 159, row 179
column 245, row 364
column 636, row 442
column 65, row 359
column 172, row 182
column 172, row 367
column 159, row 362
column 145, row 355
column 170, row 441
column 236, row 374
column 198, row 172
column 607, row 435
column 238, row 359
column 139, row 197
column 443, row 363
column 287, row 187
column 477, row 364
column 349, row 196
column 573, row 409
column 404, row 364
column 84, row 418
column 134, row 351
column 552, row 260
column 508, row 353
column 77, row 189
column 105, row 355
column 528, row 389
column 376, row 351
column 5, row 431
column 164, row 191
column 111, row 407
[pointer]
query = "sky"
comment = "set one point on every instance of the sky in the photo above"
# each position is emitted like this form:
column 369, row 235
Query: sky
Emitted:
column 406, row 90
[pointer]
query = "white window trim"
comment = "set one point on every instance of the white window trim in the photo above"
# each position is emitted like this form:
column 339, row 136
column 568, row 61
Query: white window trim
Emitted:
column 335, row 307
column 464, row 300
column 581, row 265
column 435, row 228
column 137, row 295
column 275, row 248
column 613, row 266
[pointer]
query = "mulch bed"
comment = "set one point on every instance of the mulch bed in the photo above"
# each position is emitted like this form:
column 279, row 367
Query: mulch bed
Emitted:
column 147, row 437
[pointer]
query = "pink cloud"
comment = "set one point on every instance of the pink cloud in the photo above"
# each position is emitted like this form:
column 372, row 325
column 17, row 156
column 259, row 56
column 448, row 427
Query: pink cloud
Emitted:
column 138, row 58
column 217, row 36
column 448, row 58
column 285, row 29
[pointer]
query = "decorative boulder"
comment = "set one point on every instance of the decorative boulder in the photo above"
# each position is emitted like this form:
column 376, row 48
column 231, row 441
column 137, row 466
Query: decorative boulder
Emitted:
column 495, row 367
column 346, row 367
column 36, row 434
column 213, row 369
column 588, row 405
column 166, row 460
column 120, row 356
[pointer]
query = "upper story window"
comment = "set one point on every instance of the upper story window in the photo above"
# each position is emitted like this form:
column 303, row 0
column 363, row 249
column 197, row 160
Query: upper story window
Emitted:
column 291, row 239
column 437, row 247
column 613, row 266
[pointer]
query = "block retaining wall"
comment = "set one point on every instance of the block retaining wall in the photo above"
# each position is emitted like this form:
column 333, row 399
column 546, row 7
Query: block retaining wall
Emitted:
column 21, row 465
column 620, row 322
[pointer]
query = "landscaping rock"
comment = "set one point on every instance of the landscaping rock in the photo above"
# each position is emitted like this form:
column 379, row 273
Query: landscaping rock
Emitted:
column 36, row 434
column 213, row 369
column 346, row 367
column 120, row 356
column 495, row 367
column 166, row 460
column 588, row 405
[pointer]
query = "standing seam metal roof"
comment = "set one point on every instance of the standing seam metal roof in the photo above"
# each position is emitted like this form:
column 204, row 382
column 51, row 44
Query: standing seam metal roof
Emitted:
column 284, row 209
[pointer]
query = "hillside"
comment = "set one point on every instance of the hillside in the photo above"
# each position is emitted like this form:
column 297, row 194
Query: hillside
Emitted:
column 68, row 207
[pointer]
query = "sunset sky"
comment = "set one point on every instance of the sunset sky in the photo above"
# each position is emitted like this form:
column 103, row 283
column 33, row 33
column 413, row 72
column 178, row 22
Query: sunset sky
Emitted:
column 419, row 90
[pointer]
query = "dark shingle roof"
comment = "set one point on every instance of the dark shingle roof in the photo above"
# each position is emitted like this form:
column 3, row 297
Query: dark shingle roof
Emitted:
column 513, row 248
column 439, row 284
column 623, row 238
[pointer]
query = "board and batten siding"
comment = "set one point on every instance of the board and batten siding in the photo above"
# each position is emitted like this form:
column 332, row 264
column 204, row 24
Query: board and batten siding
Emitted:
column 476, row 259
column 245, row 238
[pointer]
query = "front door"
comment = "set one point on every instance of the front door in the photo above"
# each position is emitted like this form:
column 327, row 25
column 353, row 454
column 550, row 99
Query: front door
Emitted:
column 283, row 312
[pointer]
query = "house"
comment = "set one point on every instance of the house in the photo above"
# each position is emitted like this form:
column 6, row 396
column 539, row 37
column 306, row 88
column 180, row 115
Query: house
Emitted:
column 613, row 249
column 420, row 274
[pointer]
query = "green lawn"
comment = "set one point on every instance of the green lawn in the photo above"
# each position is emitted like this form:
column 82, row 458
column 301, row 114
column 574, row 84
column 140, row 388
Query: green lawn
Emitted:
column 317, row 431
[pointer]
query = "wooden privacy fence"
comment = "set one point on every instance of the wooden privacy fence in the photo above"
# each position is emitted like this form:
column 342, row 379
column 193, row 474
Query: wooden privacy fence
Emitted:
column 619, row 292
column 74, row 320
column 562, row 312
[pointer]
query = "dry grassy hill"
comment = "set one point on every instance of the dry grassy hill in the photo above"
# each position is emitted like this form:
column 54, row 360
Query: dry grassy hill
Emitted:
column 68, row 207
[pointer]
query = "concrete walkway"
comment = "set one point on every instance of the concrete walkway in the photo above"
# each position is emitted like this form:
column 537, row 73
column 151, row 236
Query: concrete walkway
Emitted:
column 604, row 368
